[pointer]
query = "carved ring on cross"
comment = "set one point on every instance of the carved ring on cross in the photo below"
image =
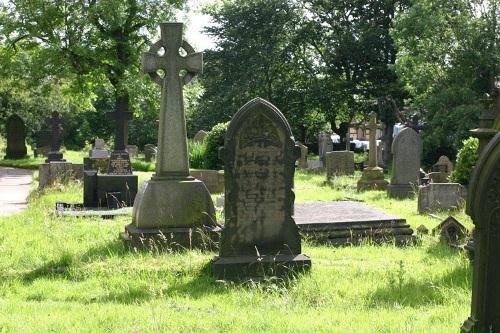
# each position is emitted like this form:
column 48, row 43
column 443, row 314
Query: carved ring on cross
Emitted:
column 155, row 48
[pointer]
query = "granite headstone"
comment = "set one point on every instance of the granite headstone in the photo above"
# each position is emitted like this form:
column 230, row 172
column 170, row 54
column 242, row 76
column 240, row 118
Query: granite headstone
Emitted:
column 16, row 137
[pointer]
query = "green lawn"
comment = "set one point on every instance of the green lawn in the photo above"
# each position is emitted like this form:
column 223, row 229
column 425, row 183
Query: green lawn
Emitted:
column 74, row 275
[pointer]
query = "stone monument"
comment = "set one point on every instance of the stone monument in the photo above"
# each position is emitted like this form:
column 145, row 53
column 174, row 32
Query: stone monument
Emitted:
column 173, row 208
column 54, row 154
column 303, row 155
column 373, row 176
column 55, row 167
column 16, row 138
column 260, row 237
column 443, row 165
column 440, row 196
column 339, row 163
column 98, row 158
column 132, row 150
column 406, row 152
column 483, row 205
column 118, row 187
column 325, row 145
column 150, row 152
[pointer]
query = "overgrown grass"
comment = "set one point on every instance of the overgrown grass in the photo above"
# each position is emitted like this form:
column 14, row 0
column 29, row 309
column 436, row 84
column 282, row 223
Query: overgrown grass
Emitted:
column 74, row 275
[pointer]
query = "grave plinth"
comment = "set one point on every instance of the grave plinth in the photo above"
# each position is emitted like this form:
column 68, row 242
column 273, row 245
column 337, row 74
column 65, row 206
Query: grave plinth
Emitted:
column 172, row 208
column 260, row 238
column 50, row 173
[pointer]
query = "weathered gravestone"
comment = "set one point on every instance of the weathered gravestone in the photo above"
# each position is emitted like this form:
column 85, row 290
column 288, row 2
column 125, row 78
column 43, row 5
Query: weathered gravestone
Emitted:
column 260, row 237
column 303, row 155
column 98, row 158
column 16, row 137
column 483, row 205
column 325, row 145
column 440, row 196
column 406, row 152
column 451, row 231
column 339, row 163
column 373, row 176
column 200, row 136
column 99, row 150
column 443, row 165
column 150, row 152
column 172, row 209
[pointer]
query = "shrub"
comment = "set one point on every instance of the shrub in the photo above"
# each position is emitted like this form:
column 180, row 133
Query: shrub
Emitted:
column 466, row 159
column 196, row 153
column 213, row 141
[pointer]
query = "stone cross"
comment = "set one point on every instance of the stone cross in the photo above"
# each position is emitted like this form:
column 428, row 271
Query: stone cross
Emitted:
column 172, row 159
column 373, row 126
column 121, row 118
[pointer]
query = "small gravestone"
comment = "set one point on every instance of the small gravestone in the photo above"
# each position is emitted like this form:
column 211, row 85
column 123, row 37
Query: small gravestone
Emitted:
column 339, row 163
column 483, row 205
column 325, row 145
column 440, row 196
column 200, row 136
column 172, row 209
column 16, row 137
column 406, row 152
column 373, row 176
column 303, row 155
column 150, row 152
column 260, row 237
column 451, row 231
column 133, row 151
column 422, row 230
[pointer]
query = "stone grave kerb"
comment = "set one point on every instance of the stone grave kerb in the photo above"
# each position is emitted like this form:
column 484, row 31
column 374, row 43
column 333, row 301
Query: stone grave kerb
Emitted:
column 483, row 205
column 172, row 158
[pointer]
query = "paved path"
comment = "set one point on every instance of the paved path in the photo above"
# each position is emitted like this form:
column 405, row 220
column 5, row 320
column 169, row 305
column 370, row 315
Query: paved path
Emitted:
column 14, row 189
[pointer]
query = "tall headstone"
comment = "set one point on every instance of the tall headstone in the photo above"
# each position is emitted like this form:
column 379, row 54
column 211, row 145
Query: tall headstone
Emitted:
column 373, row 176
column 173, row 207
column 483, row 205
column 325, row 145
column 303, row 155
column 16, row 137
column 406, row 152
column 54, row 154
column 260, row 237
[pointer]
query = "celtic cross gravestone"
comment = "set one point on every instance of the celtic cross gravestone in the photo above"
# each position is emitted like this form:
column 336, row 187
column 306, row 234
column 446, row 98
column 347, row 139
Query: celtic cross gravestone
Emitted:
column 173, row 207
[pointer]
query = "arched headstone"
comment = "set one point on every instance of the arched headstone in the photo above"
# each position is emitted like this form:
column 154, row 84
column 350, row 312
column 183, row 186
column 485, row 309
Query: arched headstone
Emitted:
column 483, row 205
column 406, row 151
column 16, row 137
column 260, row 236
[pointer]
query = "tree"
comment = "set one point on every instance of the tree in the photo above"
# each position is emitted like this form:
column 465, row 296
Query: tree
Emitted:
column 447, row 59
column 90, row 42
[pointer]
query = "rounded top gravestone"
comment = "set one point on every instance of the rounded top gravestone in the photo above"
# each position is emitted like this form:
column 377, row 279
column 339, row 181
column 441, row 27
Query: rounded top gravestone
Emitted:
column 16, row 136
column 407, row 151
column 260, row 155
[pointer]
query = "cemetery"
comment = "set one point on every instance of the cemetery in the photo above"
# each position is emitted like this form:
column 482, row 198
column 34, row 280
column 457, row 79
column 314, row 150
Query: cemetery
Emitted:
column 291, row 166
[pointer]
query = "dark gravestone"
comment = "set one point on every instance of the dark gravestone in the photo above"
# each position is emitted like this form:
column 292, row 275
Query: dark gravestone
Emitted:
column 119, row 161
column 483, row 205
column 260, row 237
column 54, row 154
column 16, row 136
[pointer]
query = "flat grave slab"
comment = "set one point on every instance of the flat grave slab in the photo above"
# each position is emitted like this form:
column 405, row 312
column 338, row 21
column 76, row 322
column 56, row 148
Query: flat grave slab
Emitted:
column 350, row 222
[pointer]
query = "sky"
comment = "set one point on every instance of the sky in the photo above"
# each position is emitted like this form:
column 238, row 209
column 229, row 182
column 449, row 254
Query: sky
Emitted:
column 195, row 21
